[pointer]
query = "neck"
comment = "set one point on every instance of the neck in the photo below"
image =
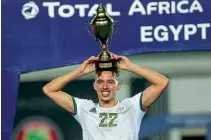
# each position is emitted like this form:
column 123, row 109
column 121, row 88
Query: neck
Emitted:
column 108, row 104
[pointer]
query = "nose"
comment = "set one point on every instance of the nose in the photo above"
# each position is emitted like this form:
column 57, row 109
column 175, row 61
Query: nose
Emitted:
column 105, row 85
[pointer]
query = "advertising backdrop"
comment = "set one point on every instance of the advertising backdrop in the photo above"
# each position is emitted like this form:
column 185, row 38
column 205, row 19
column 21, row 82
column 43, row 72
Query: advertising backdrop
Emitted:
column 39, row 35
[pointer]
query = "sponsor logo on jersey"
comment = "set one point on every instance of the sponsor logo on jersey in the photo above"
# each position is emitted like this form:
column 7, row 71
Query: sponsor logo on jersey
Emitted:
column 93, row 110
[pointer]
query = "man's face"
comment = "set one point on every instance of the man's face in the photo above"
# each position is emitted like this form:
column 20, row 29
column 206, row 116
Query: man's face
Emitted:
column 106, row 85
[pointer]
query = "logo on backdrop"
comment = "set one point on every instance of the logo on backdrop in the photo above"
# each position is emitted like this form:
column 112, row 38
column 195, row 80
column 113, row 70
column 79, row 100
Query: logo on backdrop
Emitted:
column 57, row 9
column 30, row 10
column 39, row 128
column 176, row 31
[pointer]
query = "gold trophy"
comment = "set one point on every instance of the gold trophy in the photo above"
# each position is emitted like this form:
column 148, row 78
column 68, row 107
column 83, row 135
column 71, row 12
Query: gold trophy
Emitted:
column 102, row 28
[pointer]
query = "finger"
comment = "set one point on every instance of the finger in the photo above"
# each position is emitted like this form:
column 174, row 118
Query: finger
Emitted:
column 86, row 61
column 95, row 58
column 118, row 58
column 92, row 59
column 114, row 56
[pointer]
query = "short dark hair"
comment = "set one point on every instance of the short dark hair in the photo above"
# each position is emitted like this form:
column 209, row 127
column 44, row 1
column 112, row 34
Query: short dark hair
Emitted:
column 113, row 70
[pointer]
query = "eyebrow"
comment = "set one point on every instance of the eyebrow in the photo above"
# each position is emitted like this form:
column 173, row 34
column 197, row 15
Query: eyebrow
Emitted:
column 97, row 80
column 111, row 80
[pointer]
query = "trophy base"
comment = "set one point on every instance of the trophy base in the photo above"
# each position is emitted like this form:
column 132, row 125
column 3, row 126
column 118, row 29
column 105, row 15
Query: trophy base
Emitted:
column 106, row 65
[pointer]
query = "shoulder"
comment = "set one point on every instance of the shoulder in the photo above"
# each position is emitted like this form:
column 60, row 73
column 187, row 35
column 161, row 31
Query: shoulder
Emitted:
column 80, row 103
column 136, row 101
column 83, row 101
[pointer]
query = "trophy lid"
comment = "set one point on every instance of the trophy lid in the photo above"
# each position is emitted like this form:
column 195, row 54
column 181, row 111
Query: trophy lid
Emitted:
column 101, row 15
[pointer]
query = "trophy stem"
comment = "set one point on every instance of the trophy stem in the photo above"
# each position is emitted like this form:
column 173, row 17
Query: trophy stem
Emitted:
column 104, row 47
column 104, row 55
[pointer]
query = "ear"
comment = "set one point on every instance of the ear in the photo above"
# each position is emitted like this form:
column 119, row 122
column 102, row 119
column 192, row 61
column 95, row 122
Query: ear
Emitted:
column 118, row 86
column 94, row 86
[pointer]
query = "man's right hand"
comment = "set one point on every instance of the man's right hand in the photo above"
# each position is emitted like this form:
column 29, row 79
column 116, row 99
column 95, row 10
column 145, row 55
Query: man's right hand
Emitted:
column 54, row 88
column 88, row 65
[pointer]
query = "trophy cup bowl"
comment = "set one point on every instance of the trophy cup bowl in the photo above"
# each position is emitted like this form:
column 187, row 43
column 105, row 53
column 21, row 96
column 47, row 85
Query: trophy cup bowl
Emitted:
column 102, row 28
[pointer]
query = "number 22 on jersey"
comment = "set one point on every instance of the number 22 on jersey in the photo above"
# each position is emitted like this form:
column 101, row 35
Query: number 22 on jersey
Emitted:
column 105, row 116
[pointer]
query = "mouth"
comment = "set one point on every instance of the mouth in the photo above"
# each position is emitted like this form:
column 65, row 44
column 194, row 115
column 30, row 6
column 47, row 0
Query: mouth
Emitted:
column 105, row 93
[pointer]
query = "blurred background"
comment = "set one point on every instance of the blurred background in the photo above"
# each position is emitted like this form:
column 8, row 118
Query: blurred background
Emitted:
column 183, row 112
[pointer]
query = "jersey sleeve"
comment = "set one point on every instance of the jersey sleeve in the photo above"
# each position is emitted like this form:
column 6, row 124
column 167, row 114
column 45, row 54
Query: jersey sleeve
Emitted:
column 78, row 105
column 136, row 101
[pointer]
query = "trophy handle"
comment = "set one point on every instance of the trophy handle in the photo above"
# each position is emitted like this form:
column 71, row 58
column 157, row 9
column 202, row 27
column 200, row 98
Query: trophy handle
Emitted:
column 88, row 29
column 115, row 30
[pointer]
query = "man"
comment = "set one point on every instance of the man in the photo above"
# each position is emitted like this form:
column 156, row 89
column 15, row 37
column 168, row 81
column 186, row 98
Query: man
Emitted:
column 109, row 119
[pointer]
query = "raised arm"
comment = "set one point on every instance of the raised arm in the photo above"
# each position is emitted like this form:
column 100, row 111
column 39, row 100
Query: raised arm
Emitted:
column 54, row 88
column 159, row 82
